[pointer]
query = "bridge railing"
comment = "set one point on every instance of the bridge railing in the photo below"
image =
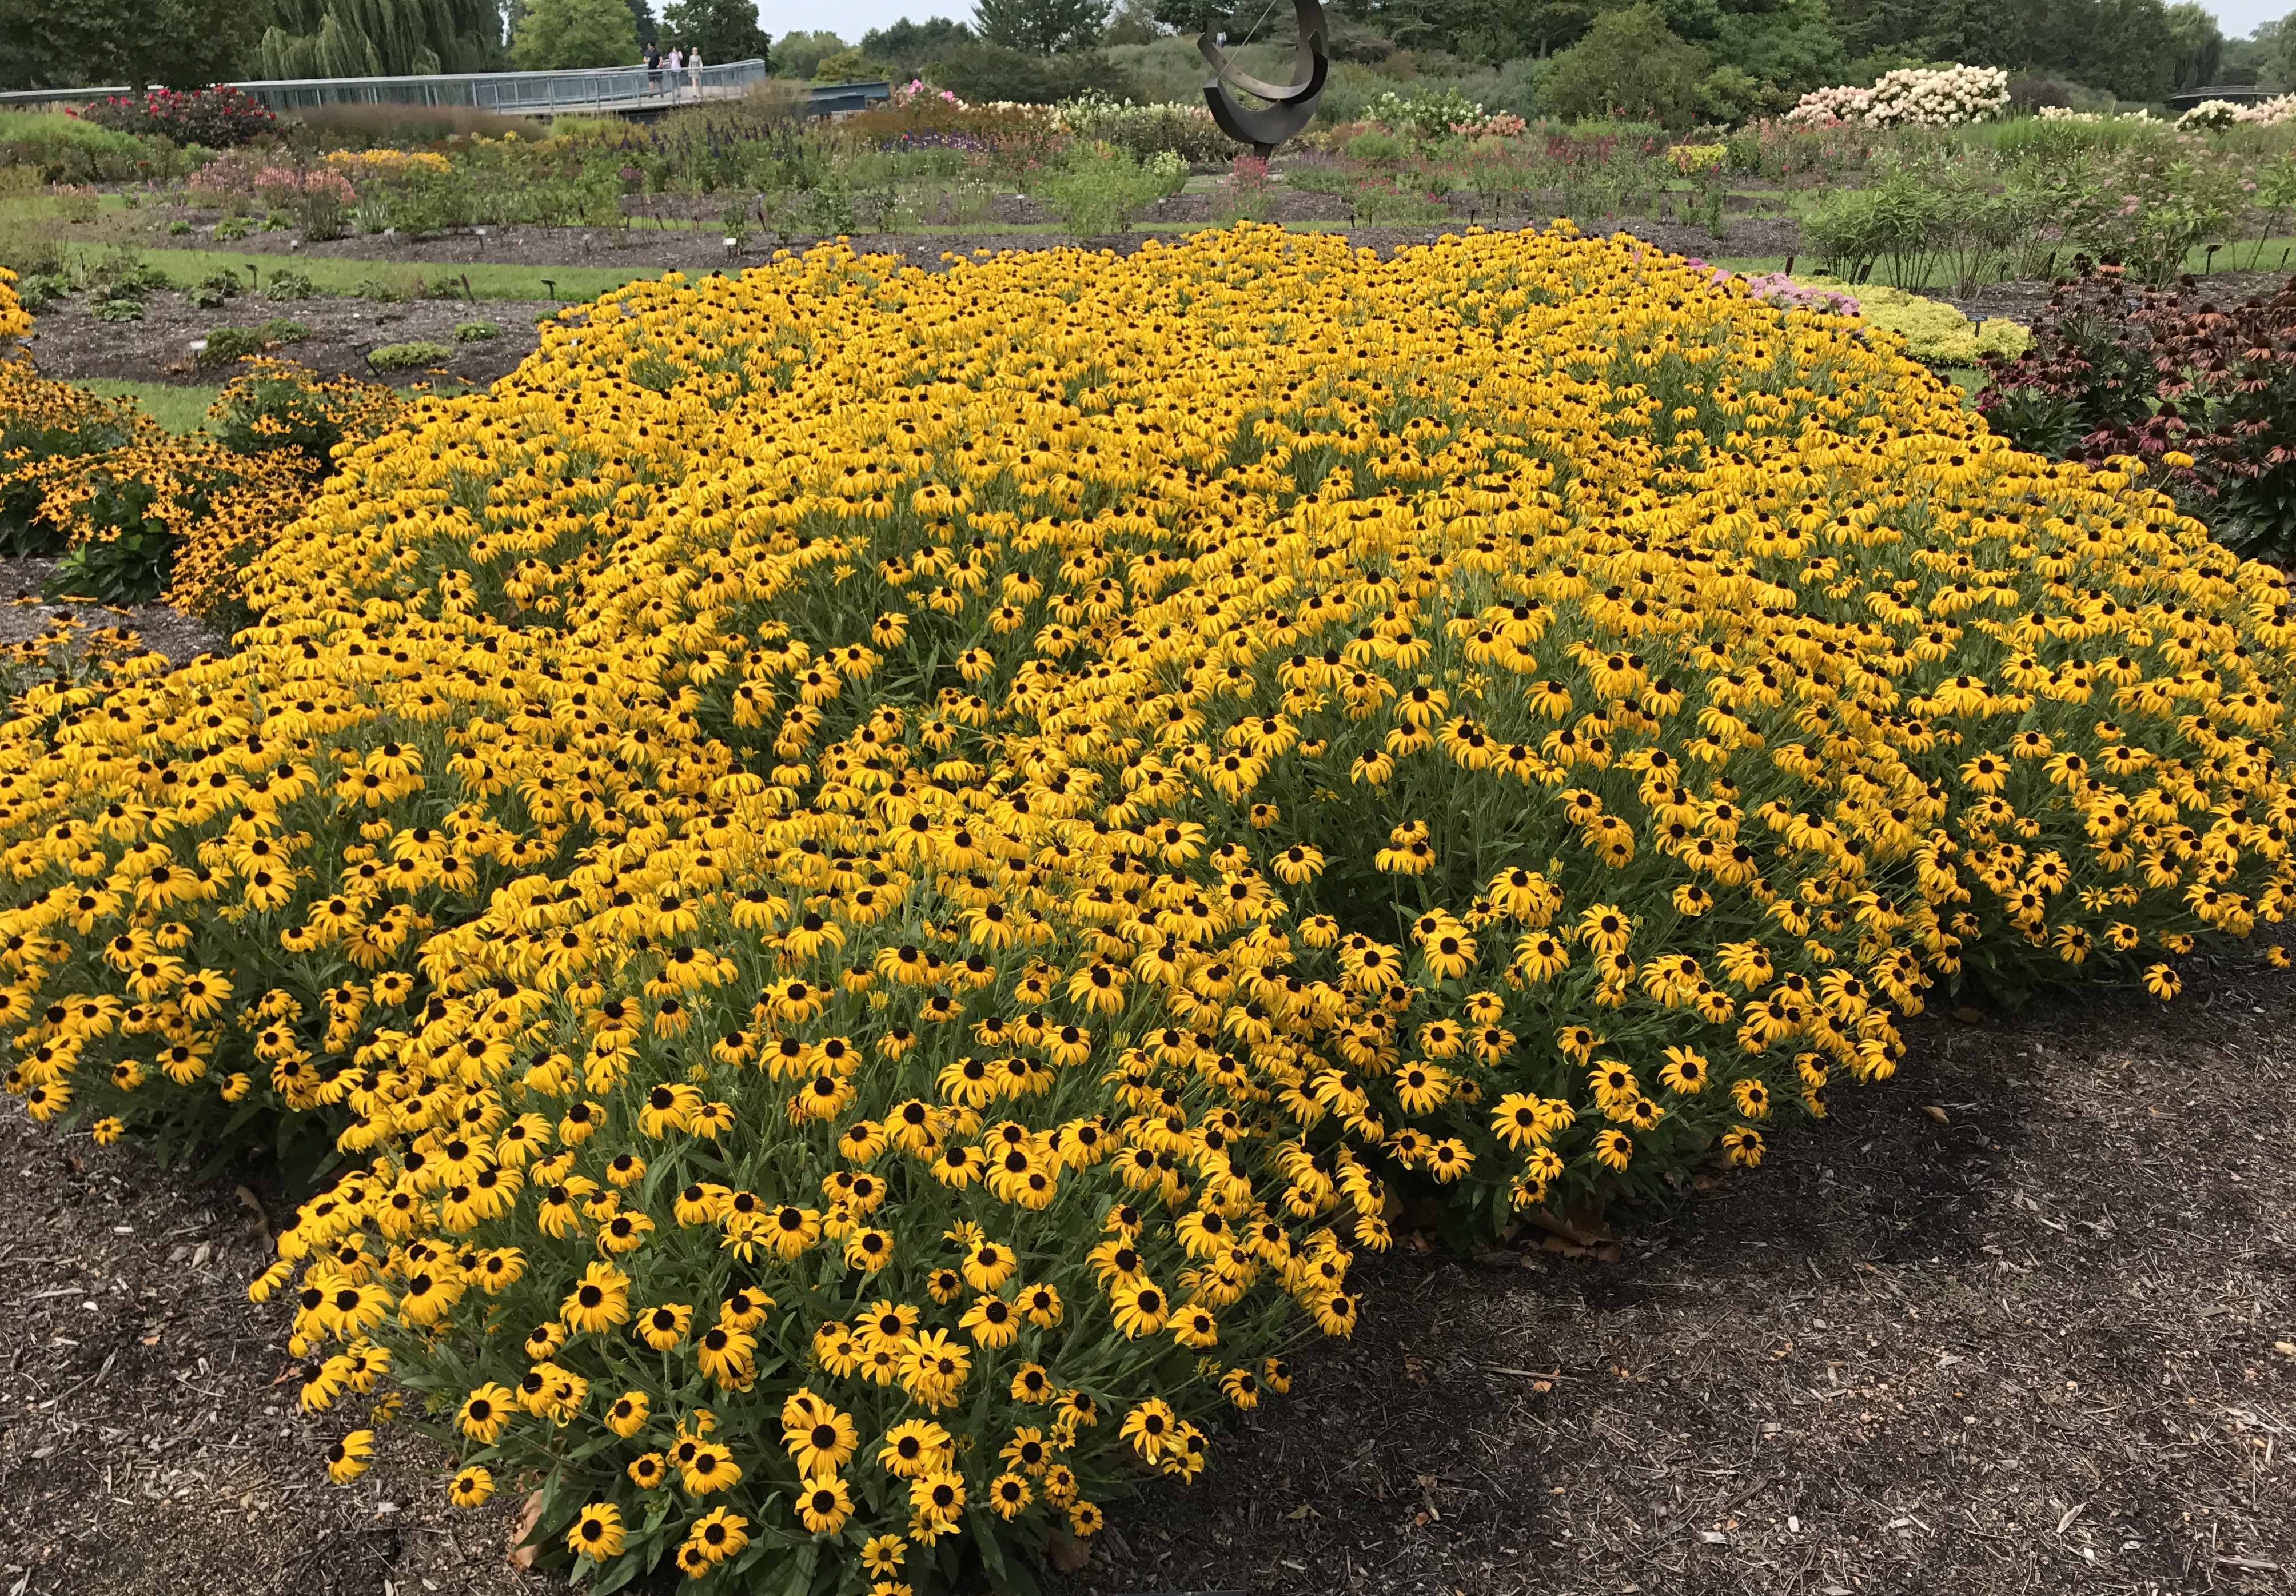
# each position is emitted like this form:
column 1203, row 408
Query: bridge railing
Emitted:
column 517, row 94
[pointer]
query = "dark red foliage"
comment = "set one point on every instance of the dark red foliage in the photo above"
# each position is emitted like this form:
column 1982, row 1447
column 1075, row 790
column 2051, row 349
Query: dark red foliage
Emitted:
column 2154, row 374
column 219, row 118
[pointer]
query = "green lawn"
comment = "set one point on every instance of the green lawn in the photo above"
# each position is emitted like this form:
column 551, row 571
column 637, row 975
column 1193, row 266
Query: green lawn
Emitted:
column 178, row 409
column 576, row 283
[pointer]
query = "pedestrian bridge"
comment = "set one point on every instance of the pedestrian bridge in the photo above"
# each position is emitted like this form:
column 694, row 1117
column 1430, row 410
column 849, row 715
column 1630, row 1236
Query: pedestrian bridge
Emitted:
column 636, row 92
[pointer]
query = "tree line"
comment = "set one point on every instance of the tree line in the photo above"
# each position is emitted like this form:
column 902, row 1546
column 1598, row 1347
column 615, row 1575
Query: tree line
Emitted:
column 1738, row 57
column 189, row 44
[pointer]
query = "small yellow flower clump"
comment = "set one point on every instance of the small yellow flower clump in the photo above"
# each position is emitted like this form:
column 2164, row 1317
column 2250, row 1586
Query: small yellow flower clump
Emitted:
column 877, row 869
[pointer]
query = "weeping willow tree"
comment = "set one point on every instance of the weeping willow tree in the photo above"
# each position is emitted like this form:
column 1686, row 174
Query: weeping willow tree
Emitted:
column 380, row 38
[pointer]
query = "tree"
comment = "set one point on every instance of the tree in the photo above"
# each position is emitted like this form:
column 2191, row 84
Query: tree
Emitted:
column 379, row 38
column 561, row 35
column 980, row 71
column 2197, row 45
column 2254, row 60
column 1787, row 51
column 175, row 44
column 642, row 14
column 796, row 55
column 1134, row 23
column 1040, row 26
column 1630, row 65
column 906, row 46
column 723, row 30
column 2125, row 47
column 1912, row 31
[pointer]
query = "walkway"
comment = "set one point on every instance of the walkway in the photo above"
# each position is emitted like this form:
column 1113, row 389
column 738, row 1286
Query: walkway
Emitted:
column 618, row 91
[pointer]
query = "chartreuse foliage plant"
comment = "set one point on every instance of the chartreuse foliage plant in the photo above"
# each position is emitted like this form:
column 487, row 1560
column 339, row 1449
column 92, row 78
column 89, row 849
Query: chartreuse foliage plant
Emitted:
column 878, row 871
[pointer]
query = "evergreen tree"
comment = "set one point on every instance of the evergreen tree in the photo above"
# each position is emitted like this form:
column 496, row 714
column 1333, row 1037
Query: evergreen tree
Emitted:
column 642, row 14
column 379, row 38
column 561, row 35
column 1040, row 26
column 725, row 30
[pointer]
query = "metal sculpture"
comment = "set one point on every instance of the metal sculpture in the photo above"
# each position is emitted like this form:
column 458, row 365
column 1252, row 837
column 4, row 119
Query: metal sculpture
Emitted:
column 1291, row 107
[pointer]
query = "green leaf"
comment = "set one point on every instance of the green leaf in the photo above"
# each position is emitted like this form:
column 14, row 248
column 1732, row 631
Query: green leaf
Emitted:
column 984, row 1535
column 801, row 1567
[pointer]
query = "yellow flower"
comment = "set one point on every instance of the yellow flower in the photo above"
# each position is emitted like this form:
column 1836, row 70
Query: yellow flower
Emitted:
column 823, row 1503
column 600, row 1302
column 597, row 1532
column 348, row 1458
column 715, row 1536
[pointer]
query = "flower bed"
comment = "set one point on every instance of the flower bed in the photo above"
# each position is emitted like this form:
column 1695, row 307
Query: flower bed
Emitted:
column 881, row 875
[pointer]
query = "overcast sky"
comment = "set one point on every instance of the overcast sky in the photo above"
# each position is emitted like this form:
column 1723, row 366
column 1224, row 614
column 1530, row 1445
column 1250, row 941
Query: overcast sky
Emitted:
column 2239, row 18
column 850, row 19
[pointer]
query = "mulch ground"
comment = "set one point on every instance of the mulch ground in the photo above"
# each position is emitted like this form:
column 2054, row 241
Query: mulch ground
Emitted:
column 25, row 615
column 68, row 341
column 2021, row 1319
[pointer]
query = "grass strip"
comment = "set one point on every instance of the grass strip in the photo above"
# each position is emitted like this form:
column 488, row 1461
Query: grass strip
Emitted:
column 2249, row 254
column 180, row 409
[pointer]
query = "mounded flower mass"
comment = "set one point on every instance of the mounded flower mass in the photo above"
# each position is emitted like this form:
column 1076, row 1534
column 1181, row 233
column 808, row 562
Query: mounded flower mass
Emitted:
column 882, row 875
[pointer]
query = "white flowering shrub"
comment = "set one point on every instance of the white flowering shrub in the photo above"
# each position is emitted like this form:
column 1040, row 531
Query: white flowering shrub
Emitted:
column 1144, row 132
column 2270, row 113
column 2209, row 115
column 2066, row 113
column 1430, row 113
column 1911, row 97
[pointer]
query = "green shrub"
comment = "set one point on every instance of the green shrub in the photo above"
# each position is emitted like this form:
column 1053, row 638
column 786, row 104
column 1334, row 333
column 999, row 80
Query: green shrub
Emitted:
column 406, row 356
column 1146, row 131
column 42, row 289
column 236, row 343
column 1630, row 64
column 287, row 284
column 63, row 149
column 117, row 309
column 1380, row 149
column 1935, row 332
column 212, row 291
column 475, row 332
column 129, row 553
column 1394, row 205
column 1100, row 189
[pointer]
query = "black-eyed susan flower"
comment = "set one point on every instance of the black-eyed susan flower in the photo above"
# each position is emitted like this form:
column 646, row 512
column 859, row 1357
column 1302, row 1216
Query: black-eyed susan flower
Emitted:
column 597, row 1532
column 350, row 1457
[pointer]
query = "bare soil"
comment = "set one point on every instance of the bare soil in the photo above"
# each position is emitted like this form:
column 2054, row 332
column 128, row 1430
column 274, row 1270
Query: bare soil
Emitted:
column 68, row 341
column 2024, row 302
column 2023, row 1319
column 25, row 615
